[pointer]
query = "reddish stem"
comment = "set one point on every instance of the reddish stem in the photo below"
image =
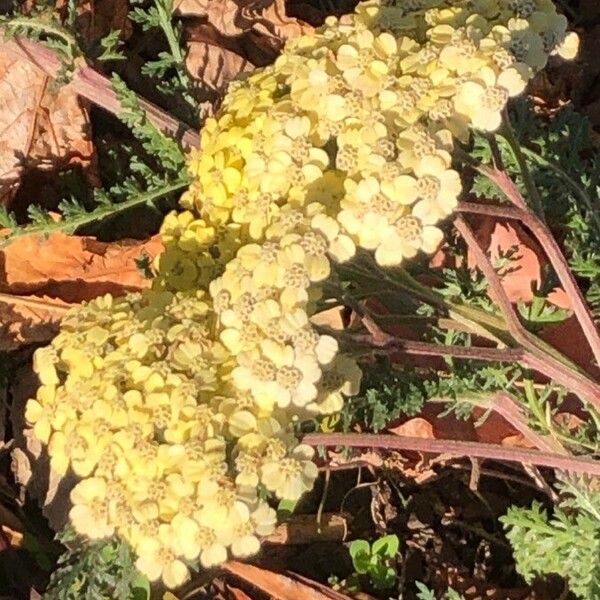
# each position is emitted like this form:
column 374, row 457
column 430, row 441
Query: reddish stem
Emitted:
column 512, row 411
column 558, row 261
column 456, row 448
column 98, row 89
column 412, row 347
column 541, row 359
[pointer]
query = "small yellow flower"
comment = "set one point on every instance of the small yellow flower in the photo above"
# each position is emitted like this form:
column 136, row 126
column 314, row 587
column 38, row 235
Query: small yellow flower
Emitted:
column 404, row 239
column 78, row 447
column 159, row 559
column 89, row 514
column 290, row 477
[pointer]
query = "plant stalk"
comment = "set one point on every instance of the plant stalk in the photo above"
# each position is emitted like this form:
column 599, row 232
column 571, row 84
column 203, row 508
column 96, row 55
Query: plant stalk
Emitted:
column 542, row 357
column 456, row 448
column 97, row 88
column 557, row 260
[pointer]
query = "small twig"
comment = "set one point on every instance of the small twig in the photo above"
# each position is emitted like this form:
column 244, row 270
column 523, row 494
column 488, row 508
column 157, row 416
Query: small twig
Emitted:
column 500, row 475
column 412, row 347
column 457, row 448
column 559, row 263
column 97, row 88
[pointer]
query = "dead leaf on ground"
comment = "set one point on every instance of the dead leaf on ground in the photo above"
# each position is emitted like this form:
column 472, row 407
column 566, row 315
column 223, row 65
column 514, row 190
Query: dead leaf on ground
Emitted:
column 416, row 427
column 236, row 17
column 213, row 61
column 28, row 320
column 73, row 268
column 40, row 127
column 95, row 18
column 232, row 37
column 281, row 587
column 41, row 277
column 523, row 273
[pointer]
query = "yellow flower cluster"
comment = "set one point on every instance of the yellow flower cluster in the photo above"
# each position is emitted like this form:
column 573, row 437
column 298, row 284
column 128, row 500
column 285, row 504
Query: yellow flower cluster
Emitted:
column 142, row 402
column 360, row 116
column 177, row 406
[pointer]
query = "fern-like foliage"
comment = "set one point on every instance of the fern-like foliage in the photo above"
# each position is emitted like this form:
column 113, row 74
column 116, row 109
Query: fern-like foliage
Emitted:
column 159, row 174
column 424, row 593
column 566, row 543
column 566, row 169
column 168, row 70
column 102, row 570
column 159, row 146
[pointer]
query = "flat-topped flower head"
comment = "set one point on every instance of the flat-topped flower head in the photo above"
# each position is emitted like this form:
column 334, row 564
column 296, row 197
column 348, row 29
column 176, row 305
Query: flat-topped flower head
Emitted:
column 176, row 407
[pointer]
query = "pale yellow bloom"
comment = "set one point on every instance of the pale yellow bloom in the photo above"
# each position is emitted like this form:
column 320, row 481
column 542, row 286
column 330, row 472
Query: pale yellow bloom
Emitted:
column 158, row 559
column 89, row 514
column 290, row 477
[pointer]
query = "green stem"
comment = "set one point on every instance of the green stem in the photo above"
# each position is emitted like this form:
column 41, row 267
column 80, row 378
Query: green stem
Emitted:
column 165, row 14
column 32, row 24
column 508, row 133
column 99, row 214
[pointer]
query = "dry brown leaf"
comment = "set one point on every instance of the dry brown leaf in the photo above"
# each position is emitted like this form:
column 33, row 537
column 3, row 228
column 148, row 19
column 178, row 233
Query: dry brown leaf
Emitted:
column 212, row 61
column 274, row 21
column 416, row 427
column 41, row 277
column 21, row 90
column 523, row 274
column 73, row 268
column 39, row 127
column 234, row 18
column 28, row 320
column 222, row 14
column 281, row 587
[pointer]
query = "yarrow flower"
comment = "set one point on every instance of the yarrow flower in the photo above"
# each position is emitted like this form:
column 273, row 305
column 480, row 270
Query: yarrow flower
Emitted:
column 175, row 406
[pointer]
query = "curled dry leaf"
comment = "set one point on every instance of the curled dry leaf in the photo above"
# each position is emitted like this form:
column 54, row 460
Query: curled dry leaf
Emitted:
column 73, row 268
column 41, row 277
column 28, row 320
column 39, row 127
column 236, row 17
column 21, row 90
column 221, row 14
column 416, row 427
column 213, row 61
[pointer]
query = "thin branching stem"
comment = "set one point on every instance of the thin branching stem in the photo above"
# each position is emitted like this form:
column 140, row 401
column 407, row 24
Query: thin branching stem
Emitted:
column 557, row 260
column 456, row 448
column 508, row 133
column 542, row 357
